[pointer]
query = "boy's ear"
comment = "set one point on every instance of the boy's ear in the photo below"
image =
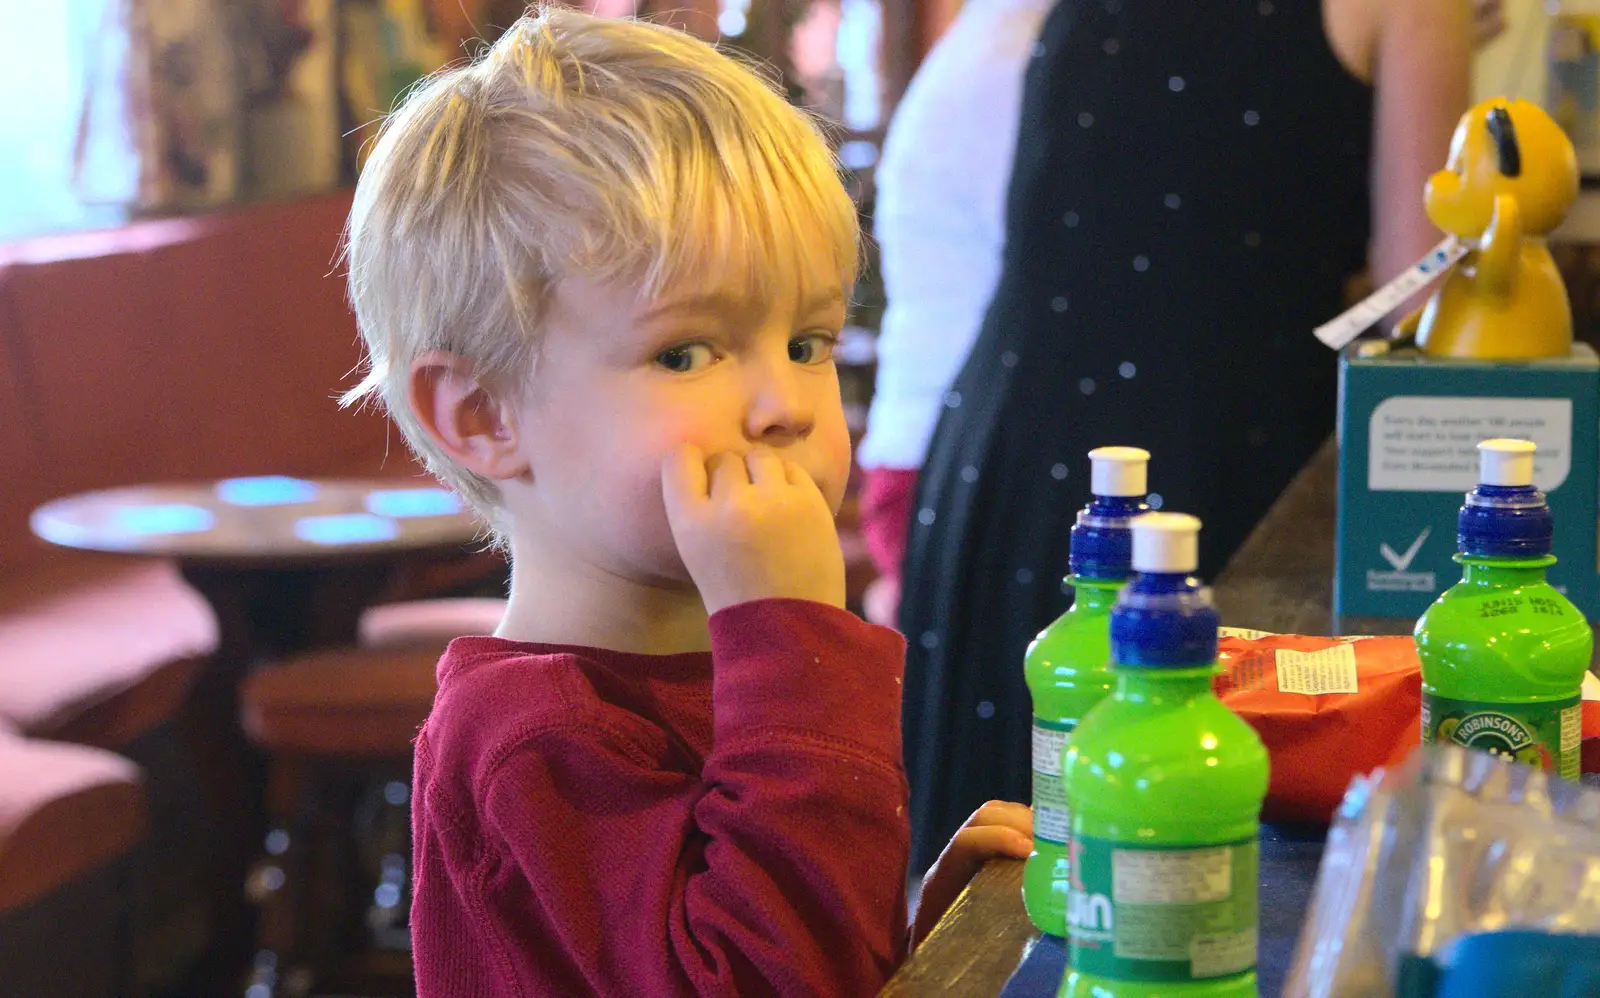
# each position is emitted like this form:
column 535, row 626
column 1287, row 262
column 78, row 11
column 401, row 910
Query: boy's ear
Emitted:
column 475, row 428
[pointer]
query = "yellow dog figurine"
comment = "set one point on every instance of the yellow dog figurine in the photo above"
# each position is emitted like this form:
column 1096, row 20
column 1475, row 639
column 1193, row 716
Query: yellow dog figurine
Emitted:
column 1511, row 178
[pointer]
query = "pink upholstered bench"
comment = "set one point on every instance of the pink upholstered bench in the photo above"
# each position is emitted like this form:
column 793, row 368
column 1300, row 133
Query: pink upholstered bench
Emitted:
column 99, row 651
column 64, row 810
column 68, row 813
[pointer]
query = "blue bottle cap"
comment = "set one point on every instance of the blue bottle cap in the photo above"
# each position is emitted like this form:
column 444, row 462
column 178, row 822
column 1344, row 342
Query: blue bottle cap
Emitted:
column 1102, row 547
column 1505, row 516
column 1164, row 617
column 1102, row 544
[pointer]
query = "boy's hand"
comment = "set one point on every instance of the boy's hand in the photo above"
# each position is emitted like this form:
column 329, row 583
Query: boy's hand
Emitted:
column 748, row 528
column 996, row 829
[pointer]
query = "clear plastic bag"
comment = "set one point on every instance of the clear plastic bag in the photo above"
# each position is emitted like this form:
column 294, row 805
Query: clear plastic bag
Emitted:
column 1450, row 843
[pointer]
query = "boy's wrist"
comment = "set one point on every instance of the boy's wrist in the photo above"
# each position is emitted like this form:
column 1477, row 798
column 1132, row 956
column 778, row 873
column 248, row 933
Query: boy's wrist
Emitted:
column 720, row 603
column 782, row 581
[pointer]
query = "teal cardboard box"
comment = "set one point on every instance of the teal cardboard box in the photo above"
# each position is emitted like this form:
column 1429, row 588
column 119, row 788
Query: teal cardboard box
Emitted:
column 1408, row 435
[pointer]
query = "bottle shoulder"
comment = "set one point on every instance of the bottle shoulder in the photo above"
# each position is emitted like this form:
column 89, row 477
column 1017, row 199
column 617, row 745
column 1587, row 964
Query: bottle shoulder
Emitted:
column 1166, row 790
column 1073, row 642
column 1503, row 633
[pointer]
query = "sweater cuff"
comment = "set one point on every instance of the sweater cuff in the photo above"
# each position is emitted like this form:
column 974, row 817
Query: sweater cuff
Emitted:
column 805, row 666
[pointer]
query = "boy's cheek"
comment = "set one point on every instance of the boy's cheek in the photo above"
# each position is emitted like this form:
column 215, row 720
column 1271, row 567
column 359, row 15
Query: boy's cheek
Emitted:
column 667, row 431
column 641, row 529
column 836, row 454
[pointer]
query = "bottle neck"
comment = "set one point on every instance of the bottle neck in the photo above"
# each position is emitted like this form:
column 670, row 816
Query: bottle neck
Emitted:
column 1503, row 571
column 1158, row 685
column 1120, row 508
column 1095, row 594
column 1164, row 620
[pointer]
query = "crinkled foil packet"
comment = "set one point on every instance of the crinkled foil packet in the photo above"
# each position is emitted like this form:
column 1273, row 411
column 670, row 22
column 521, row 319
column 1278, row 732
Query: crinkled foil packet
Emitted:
column 1449, row 843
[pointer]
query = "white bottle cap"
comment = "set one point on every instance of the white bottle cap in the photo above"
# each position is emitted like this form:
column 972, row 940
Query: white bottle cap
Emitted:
column 1166, row 542
column 1505, row 462
column 1119, row 471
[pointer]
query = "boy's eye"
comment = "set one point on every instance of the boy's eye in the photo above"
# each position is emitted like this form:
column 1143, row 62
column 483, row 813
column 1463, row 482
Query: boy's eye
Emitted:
column 813, row 348
column 685, row 358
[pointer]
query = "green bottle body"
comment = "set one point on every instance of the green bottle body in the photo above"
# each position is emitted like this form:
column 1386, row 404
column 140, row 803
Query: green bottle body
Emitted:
column 1068, row 671
column 1503, row 658
column 1166, row 786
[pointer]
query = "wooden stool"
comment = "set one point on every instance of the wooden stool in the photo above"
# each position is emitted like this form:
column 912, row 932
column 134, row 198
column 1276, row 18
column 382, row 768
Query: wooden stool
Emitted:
column 338, row 727
column 68, row 814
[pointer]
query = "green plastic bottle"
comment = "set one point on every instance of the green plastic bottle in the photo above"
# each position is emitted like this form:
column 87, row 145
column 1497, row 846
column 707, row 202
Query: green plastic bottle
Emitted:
column 1166, row 787
column 1503, row 652
column 1068, row 666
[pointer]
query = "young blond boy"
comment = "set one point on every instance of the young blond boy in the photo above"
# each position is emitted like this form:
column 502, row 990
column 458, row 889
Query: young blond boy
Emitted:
column 600, row 272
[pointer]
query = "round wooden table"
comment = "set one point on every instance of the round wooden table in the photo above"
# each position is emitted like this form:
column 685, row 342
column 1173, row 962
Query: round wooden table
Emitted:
column 287, row 564
column 264, row 519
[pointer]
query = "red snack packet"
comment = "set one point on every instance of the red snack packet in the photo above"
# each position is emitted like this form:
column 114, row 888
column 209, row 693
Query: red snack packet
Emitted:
column 1330, row 709
column 1591, row 726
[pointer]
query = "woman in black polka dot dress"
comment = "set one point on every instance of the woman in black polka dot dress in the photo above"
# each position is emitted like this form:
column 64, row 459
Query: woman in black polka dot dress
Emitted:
column 1190, row 194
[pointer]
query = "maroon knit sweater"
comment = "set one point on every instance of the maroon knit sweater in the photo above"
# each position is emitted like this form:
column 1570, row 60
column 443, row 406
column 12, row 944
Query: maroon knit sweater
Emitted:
column 590, row 822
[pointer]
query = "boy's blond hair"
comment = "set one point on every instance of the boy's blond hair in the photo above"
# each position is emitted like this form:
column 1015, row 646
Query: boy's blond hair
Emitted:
column 573, row 145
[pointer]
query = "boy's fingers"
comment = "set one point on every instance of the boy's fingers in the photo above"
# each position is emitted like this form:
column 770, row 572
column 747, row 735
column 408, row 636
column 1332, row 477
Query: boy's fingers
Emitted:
column 800, row 477
column 1003, row 813
column 972, row 847
column 728, row 475
column 683, row 478
column 981, row 843
column 766, row 468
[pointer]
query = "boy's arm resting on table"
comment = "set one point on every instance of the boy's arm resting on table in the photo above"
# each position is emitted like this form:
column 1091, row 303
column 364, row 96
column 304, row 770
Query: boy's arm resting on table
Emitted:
column 780, row 869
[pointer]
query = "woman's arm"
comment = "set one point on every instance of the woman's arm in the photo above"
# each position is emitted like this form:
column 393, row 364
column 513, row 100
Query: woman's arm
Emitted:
column 1421, row 73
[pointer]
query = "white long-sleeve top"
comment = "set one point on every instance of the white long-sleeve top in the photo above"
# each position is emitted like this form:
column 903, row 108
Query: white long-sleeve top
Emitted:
column 940, row 218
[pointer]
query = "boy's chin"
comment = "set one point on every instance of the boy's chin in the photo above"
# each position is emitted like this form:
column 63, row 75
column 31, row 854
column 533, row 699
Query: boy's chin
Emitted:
column 667, row 572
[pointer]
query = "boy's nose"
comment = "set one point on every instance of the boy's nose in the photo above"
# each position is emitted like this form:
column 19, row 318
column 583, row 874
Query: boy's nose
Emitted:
column 779, row 411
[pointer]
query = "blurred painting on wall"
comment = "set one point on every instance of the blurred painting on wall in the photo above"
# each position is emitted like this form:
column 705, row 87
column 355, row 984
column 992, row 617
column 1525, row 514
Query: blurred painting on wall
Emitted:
column 388, row 46
column 162, row 94
column 286, row 51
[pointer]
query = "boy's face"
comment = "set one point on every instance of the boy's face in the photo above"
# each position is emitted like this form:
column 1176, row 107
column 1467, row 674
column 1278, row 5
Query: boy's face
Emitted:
column 623, row 381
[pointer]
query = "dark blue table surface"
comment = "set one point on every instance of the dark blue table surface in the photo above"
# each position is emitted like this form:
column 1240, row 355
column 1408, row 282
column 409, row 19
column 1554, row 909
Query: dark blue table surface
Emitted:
column 1289, row 858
